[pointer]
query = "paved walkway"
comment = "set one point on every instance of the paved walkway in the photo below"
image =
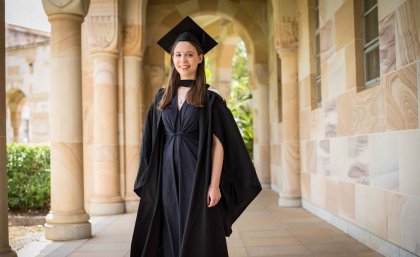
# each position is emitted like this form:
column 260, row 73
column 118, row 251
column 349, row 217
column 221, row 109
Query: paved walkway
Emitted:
column 263, row 230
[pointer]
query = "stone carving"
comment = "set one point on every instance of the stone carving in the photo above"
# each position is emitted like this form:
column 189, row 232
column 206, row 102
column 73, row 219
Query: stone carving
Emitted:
column 261, row 73
column 132, row 40
column 102, row 31
column 60, row 3
column 286, row 33
column 78, row 7
column 156, row 76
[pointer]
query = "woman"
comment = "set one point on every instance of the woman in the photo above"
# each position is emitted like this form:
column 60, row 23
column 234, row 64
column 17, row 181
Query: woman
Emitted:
column 195, row 176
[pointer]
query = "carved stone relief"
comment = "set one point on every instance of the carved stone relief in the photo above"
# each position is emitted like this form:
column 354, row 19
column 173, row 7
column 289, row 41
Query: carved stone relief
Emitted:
column 286, row 33
column 78, row 7
column 261, row 73
column 132, row 40
column 102, row 31
column 60, row 3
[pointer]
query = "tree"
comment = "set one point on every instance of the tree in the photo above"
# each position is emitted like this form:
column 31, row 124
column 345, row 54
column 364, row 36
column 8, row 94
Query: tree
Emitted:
column 240, row 101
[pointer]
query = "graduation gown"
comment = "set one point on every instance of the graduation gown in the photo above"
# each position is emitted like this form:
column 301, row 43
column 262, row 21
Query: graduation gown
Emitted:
column 203, row 232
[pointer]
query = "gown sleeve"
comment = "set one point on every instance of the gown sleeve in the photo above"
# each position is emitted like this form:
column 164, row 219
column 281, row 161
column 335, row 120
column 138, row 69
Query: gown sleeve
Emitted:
column 146, row 149
column 149, row 132
column 239, row 182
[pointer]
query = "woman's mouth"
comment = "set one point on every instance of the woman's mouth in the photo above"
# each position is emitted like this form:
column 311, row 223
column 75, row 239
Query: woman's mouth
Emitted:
column 184, row 67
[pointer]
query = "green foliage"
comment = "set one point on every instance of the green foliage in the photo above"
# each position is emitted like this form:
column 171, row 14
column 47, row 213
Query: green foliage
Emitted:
column 209, row 77
column 28, row 172
column 240, row 101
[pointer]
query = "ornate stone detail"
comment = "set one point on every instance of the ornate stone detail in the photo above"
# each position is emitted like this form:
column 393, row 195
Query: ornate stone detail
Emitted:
column 102, row 31
column 60, row 3
column 287, row 34
column 156, row 76
column 77, row 7
column 132, row 40
column 261, row 73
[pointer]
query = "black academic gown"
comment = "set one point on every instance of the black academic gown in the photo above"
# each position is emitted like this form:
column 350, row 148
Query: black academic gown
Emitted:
column 239, row 184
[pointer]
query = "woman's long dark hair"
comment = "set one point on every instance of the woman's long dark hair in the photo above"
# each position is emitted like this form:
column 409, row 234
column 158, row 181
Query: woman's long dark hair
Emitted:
column 196, row 94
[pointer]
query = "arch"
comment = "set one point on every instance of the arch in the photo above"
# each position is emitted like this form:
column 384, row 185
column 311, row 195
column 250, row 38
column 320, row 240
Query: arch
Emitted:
column 224, row 62
column 252, row 33
column 15, row 99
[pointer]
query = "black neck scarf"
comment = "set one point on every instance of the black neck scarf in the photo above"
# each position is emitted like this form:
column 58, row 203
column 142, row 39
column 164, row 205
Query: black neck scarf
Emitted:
column 186, row 82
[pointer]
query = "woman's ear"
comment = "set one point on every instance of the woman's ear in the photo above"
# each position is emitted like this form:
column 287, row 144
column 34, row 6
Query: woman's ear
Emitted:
column 200, row 58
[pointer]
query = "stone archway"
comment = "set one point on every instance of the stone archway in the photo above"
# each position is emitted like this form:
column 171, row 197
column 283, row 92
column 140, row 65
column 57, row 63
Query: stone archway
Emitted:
column 14, row 102
column 224, row 60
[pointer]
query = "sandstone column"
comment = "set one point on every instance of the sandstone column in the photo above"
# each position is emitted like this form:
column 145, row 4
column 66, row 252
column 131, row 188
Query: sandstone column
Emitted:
column 5, row 250
column 290, row 194
column 133, row 49
column 106, row 198
column 262, row 124
column 286, row 42
column 133, row 121
column 67, row 219
column 104, row 44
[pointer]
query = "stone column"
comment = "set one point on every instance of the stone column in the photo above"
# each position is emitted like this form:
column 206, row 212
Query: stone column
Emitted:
column 103, row 38
column 67, row 219
column 5, row 250
column 286, row 42
column 290, row 194
column 133, row 121
column 15, row 120
column 262, row 124
column 133, row 49
column 106, row 199
column 225, row 88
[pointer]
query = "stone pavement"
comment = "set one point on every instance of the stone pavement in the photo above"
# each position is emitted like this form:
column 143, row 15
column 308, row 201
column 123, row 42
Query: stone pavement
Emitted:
column 263, row 230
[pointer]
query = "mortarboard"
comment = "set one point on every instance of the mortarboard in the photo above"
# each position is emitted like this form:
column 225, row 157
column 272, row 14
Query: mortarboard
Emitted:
column 187, row 30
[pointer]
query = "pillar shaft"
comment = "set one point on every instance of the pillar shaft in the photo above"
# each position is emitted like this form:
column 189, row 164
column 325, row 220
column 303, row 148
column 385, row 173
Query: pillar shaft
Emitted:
column 290, row 194
column 262, row 156
column 107, row 197
column 133, row 125
column 67, row 219
column 5, row 250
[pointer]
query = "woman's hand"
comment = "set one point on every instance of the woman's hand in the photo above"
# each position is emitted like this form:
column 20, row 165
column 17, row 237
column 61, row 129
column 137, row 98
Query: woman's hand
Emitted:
column 213, row 196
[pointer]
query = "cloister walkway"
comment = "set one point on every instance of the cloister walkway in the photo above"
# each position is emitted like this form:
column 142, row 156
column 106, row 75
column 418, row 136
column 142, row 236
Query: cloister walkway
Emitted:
column 263, row 230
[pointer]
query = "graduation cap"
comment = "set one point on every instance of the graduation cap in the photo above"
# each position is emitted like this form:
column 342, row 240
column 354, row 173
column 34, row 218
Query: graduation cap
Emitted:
column 187, row 30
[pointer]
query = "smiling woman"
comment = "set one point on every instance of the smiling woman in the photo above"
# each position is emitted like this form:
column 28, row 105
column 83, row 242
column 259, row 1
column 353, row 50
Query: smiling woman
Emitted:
column 186, row 59
column 190, row 189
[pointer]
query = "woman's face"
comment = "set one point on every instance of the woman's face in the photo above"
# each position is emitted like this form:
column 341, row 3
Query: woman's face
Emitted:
column 186, row 59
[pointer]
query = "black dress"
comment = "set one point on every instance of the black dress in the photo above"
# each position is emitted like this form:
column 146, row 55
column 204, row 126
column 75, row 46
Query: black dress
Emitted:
column 173, row 218
column 178, row 171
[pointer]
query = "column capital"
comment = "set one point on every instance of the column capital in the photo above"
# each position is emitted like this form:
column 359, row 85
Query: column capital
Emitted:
column 286, row 52
column 260, row 73
column 75, row 7
column 134, row 13
column 286, row 35
column 104, row 26
column 132, row 40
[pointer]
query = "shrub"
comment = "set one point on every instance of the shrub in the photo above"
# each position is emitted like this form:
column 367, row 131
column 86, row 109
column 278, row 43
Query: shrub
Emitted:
column 28, row 172
column 240, row 101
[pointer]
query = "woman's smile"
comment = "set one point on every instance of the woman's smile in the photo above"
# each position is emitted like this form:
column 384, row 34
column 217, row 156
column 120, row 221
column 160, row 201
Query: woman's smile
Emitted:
column 186, row 59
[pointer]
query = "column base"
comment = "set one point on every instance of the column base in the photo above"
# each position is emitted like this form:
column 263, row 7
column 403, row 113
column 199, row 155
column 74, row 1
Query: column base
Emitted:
column 67, row 232
column 289, row 202
column 132, row 206
column 104, row 209
column 8, row 254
